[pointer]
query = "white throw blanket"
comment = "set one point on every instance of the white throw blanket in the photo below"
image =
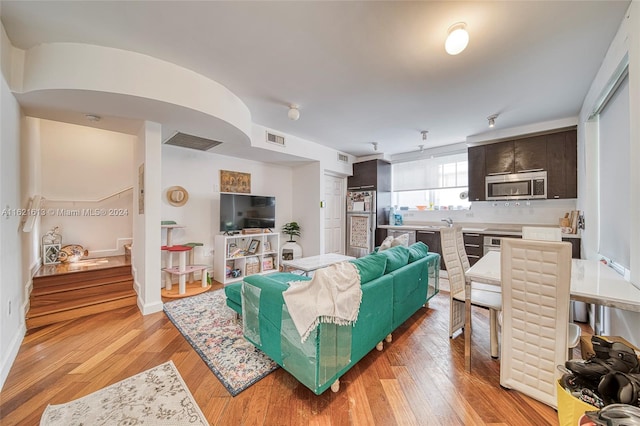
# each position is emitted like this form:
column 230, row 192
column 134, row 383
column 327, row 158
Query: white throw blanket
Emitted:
column 333, row 296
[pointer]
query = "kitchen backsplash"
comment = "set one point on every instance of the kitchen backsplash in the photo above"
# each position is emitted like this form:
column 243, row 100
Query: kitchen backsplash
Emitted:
column 535, row 212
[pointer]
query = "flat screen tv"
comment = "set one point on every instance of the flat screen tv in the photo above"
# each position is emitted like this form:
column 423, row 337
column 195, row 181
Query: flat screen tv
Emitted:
column 239, row 211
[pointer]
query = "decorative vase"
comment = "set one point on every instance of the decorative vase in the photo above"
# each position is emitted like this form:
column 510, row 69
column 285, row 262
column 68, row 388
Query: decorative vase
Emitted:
column 291, row 250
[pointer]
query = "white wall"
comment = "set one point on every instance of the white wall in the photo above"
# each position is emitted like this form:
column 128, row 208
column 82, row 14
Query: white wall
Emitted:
column 12, row 266
column 199, row 173
column 145, row 260
column 308, row 190
column 626, row 42
column 537, row 212
column 81, row 165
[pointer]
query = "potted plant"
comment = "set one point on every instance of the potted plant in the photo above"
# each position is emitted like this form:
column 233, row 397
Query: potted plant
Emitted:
column 291, row 250
column 292, row 229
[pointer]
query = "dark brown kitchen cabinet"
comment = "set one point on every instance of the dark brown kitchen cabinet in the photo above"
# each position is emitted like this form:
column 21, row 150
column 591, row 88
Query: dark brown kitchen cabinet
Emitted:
column 530, row 154
column 575, row 247
column 499, row 158
column 476, row 160
column 370, row 175
column 562, row 161
column 473, row 245
column 432, row 240
column 555, row 152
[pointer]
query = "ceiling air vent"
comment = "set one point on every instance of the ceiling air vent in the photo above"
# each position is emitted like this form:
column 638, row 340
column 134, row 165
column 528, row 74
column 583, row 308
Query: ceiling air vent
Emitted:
column 189, row 141
column 342, row 157
column 273, row 138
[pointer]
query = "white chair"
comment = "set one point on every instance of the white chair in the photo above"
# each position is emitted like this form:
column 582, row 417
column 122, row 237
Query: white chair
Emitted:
column 479, row 297
column 541, row 233
column 553, row 234
column 536, row 279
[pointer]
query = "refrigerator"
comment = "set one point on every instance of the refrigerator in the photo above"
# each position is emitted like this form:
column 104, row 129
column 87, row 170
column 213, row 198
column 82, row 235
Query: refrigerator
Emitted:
column 361, row 222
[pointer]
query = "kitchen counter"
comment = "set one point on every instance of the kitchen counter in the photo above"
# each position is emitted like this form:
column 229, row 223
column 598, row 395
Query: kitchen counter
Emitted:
column 480, row 228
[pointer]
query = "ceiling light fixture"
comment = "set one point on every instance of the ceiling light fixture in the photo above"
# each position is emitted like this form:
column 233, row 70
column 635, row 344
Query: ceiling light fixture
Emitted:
column 492, row 120
column 294, row 112
column 92, row 117
column 424, row 135
column 375, row 145
column 457, row 38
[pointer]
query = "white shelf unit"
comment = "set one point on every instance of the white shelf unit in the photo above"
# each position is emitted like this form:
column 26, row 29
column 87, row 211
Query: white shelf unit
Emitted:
column 232, row 254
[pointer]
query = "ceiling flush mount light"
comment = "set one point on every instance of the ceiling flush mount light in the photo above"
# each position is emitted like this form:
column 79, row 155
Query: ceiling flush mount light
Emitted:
column 92, row 117
column 294, row 112
column 457, row 38
column 492, row 120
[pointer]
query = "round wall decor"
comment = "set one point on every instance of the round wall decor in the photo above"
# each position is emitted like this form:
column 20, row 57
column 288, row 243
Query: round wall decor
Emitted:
column 177, row 196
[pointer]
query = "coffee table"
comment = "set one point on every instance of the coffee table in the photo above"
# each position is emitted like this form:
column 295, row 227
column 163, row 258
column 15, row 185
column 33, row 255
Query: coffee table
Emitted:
column 311, row 263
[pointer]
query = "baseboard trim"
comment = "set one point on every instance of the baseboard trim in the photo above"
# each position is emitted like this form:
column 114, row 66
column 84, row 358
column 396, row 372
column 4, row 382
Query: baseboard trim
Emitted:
column 12, row 353
column 150, row 308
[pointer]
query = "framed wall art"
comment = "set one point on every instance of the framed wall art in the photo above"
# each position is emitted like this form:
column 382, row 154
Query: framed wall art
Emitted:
column 235, row 182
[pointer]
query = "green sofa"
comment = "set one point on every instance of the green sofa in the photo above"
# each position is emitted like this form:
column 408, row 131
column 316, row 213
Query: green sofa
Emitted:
column 395, row 284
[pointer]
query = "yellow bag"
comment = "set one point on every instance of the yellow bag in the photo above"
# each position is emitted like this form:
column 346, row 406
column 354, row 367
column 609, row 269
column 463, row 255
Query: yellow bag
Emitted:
column 570, row 408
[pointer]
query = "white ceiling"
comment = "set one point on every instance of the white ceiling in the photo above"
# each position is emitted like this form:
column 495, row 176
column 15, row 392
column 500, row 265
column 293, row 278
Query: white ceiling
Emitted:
column 361, row 71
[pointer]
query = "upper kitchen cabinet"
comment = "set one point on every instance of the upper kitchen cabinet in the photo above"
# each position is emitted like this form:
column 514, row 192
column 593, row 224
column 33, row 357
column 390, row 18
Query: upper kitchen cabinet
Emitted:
column 476, row 159
column 562, row 163
column 530, row 154
column 499, row 158
column 555, row 152
column 372, row 174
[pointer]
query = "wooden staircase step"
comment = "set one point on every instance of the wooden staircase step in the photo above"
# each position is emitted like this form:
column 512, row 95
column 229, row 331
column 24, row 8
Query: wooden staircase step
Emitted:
column 79, row 276
column 81, row 294
column 81, row 311
column 67, row 291
column 76, row 285
column 70, row 305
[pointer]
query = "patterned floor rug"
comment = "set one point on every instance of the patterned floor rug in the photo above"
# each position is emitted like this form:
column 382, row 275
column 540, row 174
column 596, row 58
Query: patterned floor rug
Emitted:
column 157, row 396
column 214, row 332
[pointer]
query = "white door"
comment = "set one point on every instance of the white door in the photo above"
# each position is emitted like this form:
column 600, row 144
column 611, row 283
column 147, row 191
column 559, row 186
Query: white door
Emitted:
column 334, row 214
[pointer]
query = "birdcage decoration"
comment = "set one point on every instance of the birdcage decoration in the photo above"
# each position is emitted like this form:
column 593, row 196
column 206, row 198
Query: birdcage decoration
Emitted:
column 51, row 244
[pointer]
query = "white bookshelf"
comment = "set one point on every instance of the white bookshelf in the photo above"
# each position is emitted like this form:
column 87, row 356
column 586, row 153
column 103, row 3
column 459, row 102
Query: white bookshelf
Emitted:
column 232, row 253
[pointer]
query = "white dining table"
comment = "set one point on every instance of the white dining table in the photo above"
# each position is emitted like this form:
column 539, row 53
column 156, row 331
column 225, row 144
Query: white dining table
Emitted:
column 592, row 281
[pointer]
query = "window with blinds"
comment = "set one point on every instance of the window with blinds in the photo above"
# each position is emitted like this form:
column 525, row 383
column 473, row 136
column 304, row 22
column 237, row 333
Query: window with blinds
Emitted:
column 438, row 183
column 614, row 146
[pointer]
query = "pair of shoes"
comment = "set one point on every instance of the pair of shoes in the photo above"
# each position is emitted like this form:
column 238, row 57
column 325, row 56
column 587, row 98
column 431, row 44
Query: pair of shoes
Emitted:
column 615, row 415
column 620, row 388
column 619, row 357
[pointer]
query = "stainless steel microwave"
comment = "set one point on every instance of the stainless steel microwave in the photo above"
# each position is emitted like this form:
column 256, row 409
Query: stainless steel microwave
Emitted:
column 517, row 186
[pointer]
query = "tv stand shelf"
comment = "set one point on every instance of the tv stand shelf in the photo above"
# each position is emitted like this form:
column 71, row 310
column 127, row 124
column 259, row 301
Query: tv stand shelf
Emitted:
column 235, row 259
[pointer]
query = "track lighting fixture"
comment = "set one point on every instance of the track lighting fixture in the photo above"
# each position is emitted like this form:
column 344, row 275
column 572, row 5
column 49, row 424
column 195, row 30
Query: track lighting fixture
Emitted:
column 375, row 145
column 294, row 112
column 492, row 120
column 424, row 134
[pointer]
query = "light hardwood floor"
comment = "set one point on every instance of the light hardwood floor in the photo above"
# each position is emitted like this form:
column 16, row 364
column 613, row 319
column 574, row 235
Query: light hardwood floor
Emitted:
column 418, row 379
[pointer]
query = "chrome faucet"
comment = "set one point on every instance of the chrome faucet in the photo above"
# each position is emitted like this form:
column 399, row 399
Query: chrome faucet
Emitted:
column 449, row 222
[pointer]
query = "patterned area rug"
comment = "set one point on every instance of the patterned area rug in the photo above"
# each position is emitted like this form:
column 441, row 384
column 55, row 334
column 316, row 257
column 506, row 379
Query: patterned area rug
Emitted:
column 214, row 332
column 157, row 396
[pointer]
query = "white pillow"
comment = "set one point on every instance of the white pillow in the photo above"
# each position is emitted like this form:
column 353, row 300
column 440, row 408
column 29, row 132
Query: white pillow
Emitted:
column 386, row 244
column 401, row 240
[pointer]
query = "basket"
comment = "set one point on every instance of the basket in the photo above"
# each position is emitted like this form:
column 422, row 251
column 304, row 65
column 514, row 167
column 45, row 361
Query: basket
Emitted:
column 252, row 268
column 570, row 408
